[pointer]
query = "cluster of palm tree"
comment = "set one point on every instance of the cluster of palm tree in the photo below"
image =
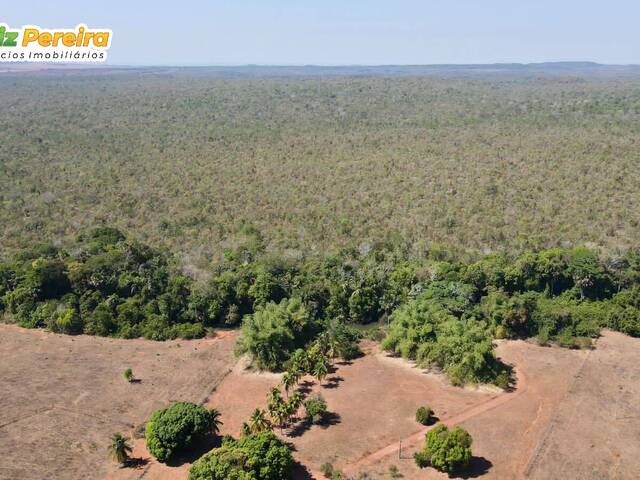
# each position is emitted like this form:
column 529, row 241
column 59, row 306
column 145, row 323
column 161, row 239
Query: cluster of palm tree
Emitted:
column 280, row 411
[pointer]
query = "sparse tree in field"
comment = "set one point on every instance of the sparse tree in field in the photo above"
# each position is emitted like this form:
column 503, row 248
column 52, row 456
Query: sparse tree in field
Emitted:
column 178, row 427
column 424, row 415
column 288, row 381
column 274, row 396
column 445, row 450
column 320, row 367
column 214, row 415
column 128, row 375
column 276, row 407
column 294, row 403
column 259, row 422
column 119, row 448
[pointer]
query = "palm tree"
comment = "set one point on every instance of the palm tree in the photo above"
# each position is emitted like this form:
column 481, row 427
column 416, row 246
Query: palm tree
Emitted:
column 295, row 402
column 279, row 414
column 274, row 395
column 119, row 448
column 320, row 368
column 215, row 415
column 288, row 381
column 275, row 406
column 259, row 422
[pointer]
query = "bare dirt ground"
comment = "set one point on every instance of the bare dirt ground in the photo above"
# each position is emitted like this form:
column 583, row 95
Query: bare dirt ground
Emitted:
column 61, row 397
column 561, row 426
column 595, row 434
column 574, row 414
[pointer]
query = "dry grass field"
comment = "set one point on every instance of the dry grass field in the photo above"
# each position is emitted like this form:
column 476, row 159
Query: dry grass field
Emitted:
column 62, row 397
column 573, row 413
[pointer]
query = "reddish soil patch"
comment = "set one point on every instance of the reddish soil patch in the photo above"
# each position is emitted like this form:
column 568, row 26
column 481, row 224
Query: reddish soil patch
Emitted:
column 62, row 397
column 561, row 425
column 574, row 414
column 595, row 434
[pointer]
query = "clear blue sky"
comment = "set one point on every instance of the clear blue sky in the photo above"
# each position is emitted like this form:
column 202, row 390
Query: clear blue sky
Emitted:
column 333, row 32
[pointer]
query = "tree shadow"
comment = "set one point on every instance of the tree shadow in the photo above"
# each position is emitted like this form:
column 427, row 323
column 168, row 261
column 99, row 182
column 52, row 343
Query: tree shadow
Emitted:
column 136, row 463
column 299, row 428
column 135, row 380
column 329, row 419
column 198, row 449
column 300, row 472
column 344, row 363
column 433, row 419
column 305, row 387
column 333, row 382
column 478, row 466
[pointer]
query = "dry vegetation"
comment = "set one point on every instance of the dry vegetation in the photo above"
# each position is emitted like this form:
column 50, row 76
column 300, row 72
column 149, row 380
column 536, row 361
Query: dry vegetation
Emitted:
column 201, row 165
column 64, row 396
column 181, row 160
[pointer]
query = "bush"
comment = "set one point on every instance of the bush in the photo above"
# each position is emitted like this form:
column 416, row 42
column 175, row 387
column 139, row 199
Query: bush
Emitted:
column 262, row 456
column 316, row 408
column 445, row 450
column 177, row 427
column 423, row 415
column 128, row 375
column 326, row 469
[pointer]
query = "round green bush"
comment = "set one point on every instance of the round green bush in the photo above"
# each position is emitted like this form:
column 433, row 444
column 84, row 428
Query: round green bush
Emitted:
column 423, row 415
column 261, row 456
column 445, row 450
column 177, row 427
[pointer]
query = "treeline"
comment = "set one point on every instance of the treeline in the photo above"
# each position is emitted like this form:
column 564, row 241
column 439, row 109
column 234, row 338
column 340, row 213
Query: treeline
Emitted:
column 441, row 311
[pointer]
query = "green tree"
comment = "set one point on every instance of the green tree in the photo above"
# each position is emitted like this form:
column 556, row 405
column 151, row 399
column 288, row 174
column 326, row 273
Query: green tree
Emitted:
column 320, row 367
column 119, row 448
column 178, row 427
column 424, row 415
column 261, row 456
column 289, row 380
column 445, row 450
column 259, row 422
column 274, row 332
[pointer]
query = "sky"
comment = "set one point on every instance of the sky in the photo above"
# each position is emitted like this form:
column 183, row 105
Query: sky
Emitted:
column 333, row 32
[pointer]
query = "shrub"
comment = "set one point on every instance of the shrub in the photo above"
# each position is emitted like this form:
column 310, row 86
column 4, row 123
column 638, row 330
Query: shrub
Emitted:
column 445, row 450
column 128, row 375
column 327, row 469
column 262, row 456
column 316, row 408
column 394, row 472
column 423, row 415
column 177, row 427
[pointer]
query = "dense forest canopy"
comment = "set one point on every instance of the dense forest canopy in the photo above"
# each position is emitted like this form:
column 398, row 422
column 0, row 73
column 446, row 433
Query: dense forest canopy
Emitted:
column 439, row 309
column 310, row 211
column 184, row 160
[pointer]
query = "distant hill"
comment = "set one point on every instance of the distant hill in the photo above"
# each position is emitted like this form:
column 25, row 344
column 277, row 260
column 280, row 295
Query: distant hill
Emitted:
column 574, row 69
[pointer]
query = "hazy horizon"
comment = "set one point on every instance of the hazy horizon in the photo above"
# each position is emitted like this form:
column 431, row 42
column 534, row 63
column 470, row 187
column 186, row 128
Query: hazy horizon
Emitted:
column 373, row 33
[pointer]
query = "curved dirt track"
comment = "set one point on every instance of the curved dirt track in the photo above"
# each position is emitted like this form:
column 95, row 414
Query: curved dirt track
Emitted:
column 417, row 437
